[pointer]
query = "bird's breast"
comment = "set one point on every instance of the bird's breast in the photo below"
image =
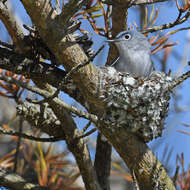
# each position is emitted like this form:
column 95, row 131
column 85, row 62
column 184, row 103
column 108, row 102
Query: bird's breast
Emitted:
column 135, row 63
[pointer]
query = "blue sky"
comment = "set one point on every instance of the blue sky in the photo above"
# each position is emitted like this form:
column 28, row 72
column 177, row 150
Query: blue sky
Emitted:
column 177, row 141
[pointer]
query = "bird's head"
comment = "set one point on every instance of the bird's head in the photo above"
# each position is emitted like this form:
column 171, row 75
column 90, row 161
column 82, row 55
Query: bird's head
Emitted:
column 130, row 40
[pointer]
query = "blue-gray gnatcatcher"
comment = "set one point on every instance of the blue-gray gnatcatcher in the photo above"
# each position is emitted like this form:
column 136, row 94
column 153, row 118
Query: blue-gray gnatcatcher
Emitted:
column 134, row 53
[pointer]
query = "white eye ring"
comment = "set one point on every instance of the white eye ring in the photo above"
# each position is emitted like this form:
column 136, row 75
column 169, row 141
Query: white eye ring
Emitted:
column 127, row 36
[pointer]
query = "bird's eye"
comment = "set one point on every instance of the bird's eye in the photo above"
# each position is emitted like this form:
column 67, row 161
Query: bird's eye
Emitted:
column 127, row 36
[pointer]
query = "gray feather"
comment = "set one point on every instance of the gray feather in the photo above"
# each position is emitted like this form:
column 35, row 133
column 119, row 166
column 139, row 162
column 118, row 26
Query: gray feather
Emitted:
column 134, row 54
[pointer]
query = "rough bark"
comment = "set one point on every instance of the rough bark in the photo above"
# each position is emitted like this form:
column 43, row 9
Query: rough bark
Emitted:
column 16, row 182
column 133, row 151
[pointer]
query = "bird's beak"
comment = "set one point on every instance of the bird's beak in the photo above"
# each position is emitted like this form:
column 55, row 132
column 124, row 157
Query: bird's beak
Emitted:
column 110, row 40
column 113, row 40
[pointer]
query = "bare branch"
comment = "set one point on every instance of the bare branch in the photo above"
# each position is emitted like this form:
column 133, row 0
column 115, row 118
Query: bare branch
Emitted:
column 69, row 74
column 75, row 69
column 102, row 162
column 80, row 150
column 13, row 27
column 16, row 182
column 169, row 25
column 19, row 64
column 143, row 2
column 47, row 95
column 18, row 145
column 129, row 3
column 6, row 45
column 41, row 117
column 119, row 23
column 53, row 32
column 179, row 80
column 88, row 133
column 30, row 137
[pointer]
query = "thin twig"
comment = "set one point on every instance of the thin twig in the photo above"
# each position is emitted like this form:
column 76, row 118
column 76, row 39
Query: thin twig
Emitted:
column 108, row 24
column 87, row 134
column 176, row 174
column 86, row 127
column 169, row 25
column 68, row 75
column 30, row 29
column 180, row 29
column 6, row 45
column 18, row 144
column 135, row 182
column 47, row 95
column 130, row 3
column 10, row 180
column 30, row 137
column 179, row 80
column 75, row 69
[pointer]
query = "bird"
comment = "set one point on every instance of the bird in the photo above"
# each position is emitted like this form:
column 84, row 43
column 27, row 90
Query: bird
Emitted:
column 134, row 54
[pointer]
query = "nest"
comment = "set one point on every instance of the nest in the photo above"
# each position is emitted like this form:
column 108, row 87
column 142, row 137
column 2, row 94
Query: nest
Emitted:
column 140, row 105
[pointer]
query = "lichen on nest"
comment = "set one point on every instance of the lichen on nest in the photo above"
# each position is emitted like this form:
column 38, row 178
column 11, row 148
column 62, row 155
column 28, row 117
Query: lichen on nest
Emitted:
column 138, row 104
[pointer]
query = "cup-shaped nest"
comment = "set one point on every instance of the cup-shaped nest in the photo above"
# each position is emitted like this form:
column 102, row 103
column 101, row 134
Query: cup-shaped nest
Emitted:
column 138, row 104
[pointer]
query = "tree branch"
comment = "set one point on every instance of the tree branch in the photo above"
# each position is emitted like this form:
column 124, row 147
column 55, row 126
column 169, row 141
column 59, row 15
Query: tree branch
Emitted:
column 46, row 17
column 13, row 28
column 179, row 80
column 30, row 137
column 88, row 80
column 102, row 162
column 129, row 3
column 41, row 117
column 18, row 145
column 16, row 182
column 47, row 95
column 144, row 2
column 19, row 64
column 169, row 25
column 76, row 145
column 63, row 46
column 104, row 148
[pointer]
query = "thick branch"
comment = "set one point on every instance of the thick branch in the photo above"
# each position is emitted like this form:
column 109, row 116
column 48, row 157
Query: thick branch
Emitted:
column 76, row 145
column 138, row 155
column 13, row 27
column 16, row 182
column 104, row 149
column 78, row 148
column 70, row 54
column 42, row 118
column 19, row 64
column 102, row 162
column 53, row 32
column 119, row 23
column 140, row 159
column 47, row 95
